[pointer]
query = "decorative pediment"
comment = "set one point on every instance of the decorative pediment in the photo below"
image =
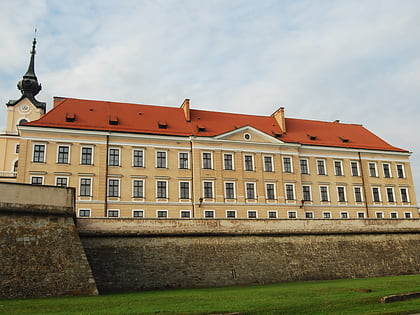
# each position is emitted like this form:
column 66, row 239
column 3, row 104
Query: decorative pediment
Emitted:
column 249, row 134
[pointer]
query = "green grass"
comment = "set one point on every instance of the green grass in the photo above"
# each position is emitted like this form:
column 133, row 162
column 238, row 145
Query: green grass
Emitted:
column 312, row 297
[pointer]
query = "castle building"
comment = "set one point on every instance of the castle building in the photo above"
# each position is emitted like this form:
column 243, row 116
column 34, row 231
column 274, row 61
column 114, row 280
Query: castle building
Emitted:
column 144, row 161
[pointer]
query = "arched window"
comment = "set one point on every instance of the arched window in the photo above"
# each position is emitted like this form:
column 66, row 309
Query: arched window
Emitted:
column 22, row 121
column 15, row 166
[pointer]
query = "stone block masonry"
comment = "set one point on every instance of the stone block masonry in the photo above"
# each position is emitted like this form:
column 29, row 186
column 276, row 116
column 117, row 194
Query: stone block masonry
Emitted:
column 40, row 249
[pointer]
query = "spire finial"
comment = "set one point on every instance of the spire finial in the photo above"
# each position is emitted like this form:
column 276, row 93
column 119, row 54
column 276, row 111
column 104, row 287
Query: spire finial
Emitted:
column 29, row 84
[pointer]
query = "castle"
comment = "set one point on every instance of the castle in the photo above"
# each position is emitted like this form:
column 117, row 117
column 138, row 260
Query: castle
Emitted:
column 143, row 161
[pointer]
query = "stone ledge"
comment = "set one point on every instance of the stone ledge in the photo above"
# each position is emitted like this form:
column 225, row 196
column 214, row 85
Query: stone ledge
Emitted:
column 400, row 297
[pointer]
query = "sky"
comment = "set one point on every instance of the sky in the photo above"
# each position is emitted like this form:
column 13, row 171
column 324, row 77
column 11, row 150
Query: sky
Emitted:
column 357, row 61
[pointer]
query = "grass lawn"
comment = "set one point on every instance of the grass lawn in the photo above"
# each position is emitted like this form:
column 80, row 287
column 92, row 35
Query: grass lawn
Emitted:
column 354, row 296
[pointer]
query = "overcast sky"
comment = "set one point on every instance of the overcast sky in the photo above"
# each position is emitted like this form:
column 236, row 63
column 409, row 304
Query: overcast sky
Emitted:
column 356, row 61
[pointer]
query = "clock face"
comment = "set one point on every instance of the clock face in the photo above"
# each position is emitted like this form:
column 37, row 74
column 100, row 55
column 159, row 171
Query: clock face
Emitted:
column 24, row 108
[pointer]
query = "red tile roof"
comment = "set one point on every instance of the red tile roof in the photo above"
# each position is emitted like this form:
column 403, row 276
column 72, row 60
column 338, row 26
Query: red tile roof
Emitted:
column 163, row 120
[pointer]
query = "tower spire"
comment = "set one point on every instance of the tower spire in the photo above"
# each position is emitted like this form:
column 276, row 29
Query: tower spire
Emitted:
column 29, row 85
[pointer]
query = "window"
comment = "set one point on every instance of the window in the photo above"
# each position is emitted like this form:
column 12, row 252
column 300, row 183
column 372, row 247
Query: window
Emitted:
column 228, row 161
column 338, row 167
column 321, row 167
column 357, row 194
column 400, row 171
column 114, row 157
column 250, row 191
column 161, row 189
column 61, row 181
column 376, row 194
column 324, row 193
column 387, row 170
column 183, row 160
column 208, row 189
column 407, row 215
column 344, row 215
column 209, row 213
column 270, row 191
column 390, row 194
column 17, row 148
column 162, row 213
column 185, row 214
column 326, row 215
column 15, row 166
column 341, row 194
column 354, row 168
column 379, row 215
column 184, row 190
column 86, row 156
column 361, row 215
column 272, row 214
column 138, row 214
column 268, row 163
column 161, row 159
column 63, row 154
column 37, row 180
column 306, row 192
column 230, row 214
column 252, row 214
column 304, row 166
column 207, row 160
column 113, row 187
column 113, row 213
column 229, row 191
column 249, row 162
column 287, row 164
column 393, row 215
column 290, row 193
column 291, row 214
column 138, row 188
column 372, row 169
column 309, row 215
column 404, row 194
column 138, row 158
column 39, row 153
column 85, row 187
column 84, row 212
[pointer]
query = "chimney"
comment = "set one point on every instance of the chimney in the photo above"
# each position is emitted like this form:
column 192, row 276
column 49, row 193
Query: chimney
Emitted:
column 279, row 117
column 186, row 108
column 58, row 100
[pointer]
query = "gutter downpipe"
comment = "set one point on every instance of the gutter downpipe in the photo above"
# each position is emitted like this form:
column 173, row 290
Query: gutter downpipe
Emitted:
column 192, row 179
column 106, row 175
column 364, row 185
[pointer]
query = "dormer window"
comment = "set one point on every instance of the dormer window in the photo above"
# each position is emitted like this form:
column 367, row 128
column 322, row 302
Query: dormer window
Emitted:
column 70, row 117
column 113, row 120
column 162, row 124
column 344, row 140
column 201, row 128
column 311, row 137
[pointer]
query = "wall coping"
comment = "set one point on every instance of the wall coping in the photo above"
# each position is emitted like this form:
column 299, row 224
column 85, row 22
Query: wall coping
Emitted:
column 211, row 227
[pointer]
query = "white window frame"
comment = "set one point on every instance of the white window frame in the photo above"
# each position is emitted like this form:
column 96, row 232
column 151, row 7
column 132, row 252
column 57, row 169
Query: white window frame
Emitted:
column 17, row 148
column 252, row 162
column 344, row 192
column 189, row 189
column 119, row 156
column 284, row 158
column 310, row 193
column 326, row 215
column 233, row 161
column 361, row 215
column 84, row 209
column 393, row 194
column 271, row 163
column 133, row 151
column 208, row 212
column 292, row 214
column 157, row 159
column 44, row 153
column 119, row 187
column 379, row 215
column 375, row 169
column 341, row 168
column 389, row 170
column 276, row 214
column 91, row 156
column 234, row 189
column 254, row 190
column 293, row 191
column 310, row 213
column 179, row 160
column 379, row 194
column 143, row 188
column 408, row 215
column 328, row 193
column 166, row 189
column 324, row 167
column 68, row 153
column 139, row 211
column 393, row 213
column 361, row 193
column 306, row 165
column 252, row 211
column 211, row 160
column 274, row 191
column 162, row 211
column 37, row 176
column 212, row 189
column 90, row 188
column 357, row 168
column 117, row 211
column 67, row 181
column 407, row 194
column 185, row 211
column 402, row 170
column 231, row 211
column 344, row 215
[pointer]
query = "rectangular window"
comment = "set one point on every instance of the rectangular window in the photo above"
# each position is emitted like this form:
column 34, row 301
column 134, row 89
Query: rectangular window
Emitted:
column 287, row 164
column 39, row 153
column 400, row 171
column 321, row 167
column 354, row 168
column 228, row 161
column 138, row 188
column 84, row 212
column 63, row 154
column 85, row 186
column 372, row 169
column 184, row 190
column 309, row 215
column 306, row 192
column 379, row 215
column 387, row 170
column 272, row 214
column 304, row 166
column 404, row 194
column 138, row 158
column 161, row 189
column 183, row 160
column 209, row 214
column 252, row 214
column 326, row 215
column 161, row 159
column 292, row 214
column 376, row 194
column 162, row 213
column 361, row 215
column 290, row 193
column 407, row 215
column 270, row 191
column 138, row 214
column 249, row 162
column 17, row 148
column 358, row 194
column 86, row 156
column 113, row 213
column 250, row 191
column 344, row 215
column 268, row 164
column 208, row 189
column 37, row 180
column 114, row 157
column 230, row 190
column 185, row 214
column 393, row 215
column 341, row 194
column 338, row 167
column 113, row 187
column 61, row 181
column 207, row 160
column 390, row 194
column 230, row 214
column 324, row 193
